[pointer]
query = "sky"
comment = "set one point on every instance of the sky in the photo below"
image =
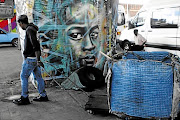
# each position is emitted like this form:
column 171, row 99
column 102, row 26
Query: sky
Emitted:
column 133, row 1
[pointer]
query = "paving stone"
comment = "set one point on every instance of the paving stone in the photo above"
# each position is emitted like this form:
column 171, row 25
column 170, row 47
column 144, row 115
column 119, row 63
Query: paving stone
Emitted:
column 5, row 115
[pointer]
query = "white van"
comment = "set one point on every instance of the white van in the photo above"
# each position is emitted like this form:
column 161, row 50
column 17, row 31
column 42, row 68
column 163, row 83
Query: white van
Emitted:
column 159, row 22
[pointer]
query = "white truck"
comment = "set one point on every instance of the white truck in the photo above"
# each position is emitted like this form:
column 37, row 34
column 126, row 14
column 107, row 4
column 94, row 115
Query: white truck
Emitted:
column 159, row 23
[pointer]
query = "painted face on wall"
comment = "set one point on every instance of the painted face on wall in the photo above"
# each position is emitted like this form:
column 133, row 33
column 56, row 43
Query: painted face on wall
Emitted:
column 72, row 33
column 84, row 32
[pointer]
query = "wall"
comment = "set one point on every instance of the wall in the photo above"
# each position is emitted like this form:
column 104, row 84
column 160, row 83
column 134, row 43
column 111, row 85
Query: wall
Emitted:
column 71, row 32
column 12, row 23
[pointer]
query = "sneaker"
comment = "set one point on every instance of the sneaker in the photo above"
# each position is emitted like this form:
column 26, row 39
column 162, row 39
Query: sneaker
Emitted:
column 41, row 99
column 22, row 101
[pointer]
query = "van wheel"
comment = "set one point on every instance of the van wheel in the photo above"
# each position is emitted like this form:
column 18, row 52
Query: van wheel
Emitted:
column 127, row 46
column 15, row 42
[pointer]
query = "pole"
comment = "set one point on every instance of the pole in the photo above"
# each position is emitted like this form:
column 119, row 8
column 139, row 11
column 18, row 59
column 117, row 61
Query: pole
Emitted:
column 9, row 25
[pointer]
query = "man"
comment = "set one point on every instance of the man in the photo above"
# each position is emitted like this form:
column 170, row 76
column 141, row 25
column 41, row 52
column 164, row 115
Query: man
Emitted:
column 31, row 62
column 139, row 41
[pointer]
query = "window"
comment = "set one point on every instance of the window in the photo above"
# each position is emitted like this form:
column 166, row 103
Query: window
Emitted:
column 121, row 19
column 1, row 32
column 140, row 19
column 165, row 18
column 132, row 7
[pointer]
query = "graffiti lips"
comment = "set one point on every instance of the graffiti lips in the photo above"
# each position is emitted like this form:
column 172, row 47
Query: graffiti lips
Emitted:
column 87, row 60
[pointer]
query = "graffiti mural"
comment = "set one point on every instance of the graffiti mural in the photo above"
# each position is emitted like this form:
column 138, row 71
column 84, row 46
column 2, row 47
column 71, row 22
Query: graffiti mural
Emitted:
column 72, row 32
column 11, row 26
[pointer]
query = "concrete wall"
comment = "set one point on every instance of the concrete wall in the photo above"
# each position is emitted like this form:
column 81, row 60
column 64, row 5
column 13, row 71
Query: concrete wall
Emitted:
column 71, row 32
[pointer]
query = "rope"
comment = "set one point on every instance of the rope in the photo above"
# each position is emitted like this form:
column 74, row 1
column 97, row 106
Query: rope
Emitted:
column 68, row 78
column 64, row 90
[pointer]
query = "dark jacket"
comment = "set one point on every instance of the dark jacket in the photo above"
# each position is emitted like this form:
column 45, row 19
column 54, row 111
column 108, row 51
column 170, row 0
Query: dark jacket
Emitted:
column 31, row 44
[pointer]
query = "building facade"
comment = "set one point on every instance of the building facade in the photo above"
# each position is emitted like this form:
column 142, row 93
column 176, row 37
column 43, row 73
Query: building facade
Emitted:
column 131, row 9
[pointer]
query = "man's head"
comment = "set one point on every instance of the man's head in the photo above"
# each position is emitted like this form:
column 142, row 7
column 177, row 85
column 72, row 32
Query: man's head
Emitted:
column 23, row 21
column 136, row 32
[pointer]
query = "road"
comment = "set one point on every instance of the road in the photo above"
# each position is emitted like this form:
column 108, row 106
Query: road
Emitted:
column 10, row 67
column 10, row 62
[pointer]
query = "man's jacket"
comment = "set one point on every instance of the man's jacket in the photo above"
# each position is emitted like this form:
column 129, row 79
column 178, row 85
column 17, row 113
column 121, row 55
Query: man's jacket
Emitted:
column 31, row 44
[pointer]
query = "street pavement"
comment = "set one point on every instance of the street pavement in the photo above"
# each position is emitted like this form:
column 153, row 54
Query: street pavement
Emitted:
column 63, row 104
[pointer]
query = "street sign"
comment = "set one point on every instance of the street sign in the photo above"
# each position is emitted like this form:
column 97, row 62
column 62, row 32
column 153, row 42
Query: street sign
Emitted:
column 6, row 9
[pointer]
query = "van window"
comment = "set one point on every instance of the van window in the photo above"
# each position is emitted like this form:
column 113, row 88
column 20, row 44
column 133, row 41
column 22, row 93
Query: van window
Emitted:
column 139, row 20
column 165, row 18
column 121, row 19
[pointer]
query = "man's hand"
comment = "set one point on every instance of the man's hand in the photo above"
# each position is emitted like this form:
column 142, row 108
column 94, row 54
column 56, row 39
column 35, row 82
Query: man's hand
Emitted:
column 40, row 64
column 144, row 44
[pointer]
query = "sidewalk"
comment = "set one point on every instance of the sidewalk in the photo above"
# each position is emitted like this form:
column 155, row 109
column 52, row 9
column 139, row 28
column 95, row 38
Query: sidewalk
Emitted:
column 60, row 107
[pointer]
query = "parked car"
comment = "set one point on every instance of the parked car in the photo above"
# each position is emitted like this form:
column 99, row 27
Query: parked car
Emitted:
column 8, row 37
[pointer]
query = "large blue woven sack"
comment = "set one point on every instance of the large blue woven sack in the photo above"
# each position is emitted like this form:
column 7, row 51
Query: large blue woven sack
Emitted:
column 141, row 88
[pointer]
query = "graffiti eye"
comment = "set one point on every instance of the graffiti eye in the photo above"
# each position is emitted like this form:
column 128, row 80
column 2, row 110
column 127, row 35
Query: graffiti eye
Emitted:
column 94, row 35
column 76, row 36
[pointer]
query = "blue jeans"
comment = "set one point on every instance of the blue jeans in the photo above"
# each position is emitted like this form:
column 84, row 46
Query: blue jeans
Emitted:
column 28, row 66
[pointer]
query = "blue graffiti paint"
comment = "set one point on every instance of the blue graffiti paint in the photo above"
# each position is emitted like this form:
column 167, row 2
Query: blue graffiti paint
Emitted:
column 71, row 32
